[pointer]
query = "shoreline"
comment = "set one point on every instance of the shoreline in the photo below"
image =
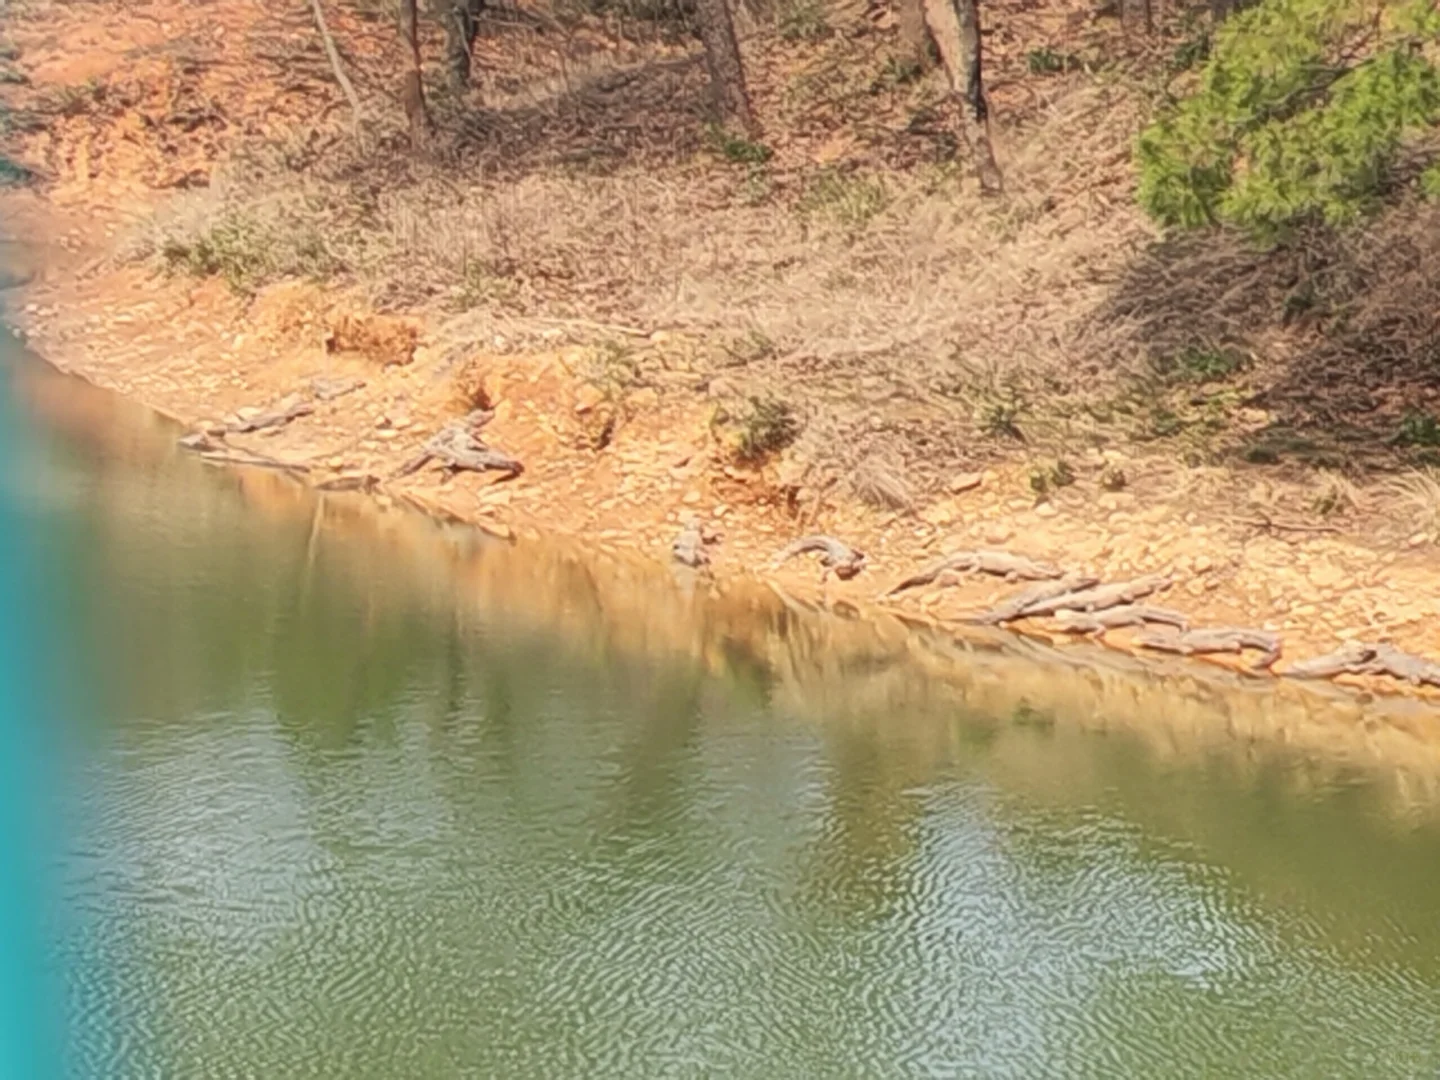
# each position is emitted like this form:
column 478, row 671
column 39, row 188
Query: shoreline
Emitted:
column 819, row 666
column 68, row 317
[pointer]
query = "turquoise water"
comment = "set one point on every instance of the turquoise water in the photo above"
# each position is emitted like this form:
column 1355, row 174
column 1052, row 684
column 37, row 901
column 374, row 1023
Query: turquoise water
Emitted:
column 323, row 813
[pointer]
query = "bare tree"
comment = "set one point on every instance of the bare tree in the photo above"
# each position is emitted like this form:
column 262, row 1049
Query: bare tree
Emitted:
column 412, row 86
column 727, row 71
column 461, row 19
column 955, row 26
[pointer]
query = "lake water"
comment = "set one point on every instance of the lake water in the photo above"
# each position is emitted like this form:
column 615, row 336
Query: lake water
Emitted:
column 326, row 809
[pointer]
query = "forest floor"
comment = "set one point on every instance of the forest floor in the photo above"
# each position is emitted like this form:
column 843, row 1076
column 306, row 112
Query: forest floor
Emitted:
column 640, row 299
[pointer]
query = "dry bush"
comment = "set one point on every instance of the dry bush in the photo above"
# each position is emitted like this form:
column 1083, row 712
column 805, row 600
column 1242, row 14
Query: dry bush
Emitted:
column 879, row 481
column 471, row 388
column 1417, row 496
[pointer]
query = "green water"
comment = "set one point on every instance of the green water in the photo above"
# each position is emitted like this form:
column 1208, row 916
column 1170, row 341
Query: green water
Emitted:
column 327, row 815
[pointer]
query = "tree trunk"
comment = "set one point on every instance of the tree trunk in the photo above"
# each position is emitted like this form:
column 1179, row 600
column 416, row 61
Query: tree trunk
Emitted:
column 914, row 35
column 955, row 25
column 412, row 87
column 1136, row 15
column 727, row 72
column 461, row 19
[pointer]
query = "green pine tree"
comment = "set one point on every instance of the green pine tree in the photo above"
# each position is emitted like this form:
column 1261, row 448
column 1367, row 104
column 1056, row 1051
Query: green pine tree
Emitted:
column 1301, row 113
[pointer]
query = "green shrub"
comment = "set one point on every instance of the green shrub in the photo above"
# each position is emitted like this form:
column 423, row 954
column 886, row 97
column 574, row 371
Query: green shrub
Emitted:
column 766, row 425
column 849, row 199
column 247, row 252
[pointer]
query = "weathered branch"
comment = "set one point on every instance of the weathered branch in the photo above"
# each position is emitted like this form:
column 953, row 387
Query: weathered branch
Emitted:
column 278, row 418
column 346, row 87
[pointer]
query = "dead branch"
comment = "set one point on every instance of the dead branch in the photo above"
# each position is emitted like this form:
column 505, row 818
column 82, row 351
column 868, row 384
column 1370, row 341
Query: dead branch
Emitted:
column 278, row 418
column 346, row 87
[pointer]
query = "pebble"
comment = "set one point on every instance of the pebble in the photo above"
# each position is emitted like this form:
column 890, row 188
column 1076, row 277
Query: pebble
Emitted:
column 1203, row 564
column 1046, row 510
column 690, row 498
column 965, row 482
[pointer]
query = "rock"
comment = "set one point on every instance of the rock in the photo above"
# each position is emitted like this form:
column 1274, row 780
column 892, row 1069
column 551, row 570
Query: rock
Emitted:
column 647, row 397
column 965, row 482
column 587, row 398
column 1046, row 510
column 1326, row 575
column 939, row 514
column 691, row 498
column 386, row 339
column 1418, row 540
column 1203, row 564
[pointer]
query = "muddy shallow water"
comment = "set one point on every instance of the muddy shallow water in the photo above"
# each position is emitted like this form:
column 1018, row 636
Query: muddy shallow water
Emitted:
column 358, row 794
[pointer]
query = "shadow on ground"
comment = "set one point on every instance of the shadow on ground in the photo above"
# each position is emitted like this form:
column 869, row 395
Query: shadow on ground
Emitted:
column 1334, row 335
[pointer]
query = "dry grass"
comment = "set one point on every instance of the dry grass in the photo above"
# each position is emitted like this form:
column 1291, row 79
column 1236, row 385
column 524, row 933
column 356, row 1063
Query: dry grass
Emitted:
column 930, row 327
column 885, row 296
column 1417, row 496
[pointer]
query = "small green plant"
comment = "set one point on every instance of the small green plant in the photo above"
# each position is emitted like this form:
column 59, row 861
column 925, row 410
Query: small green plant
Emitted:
column 13, row 174
column 802, row 20
column 1336, row 496
column 849, row 199
column 1113, row 478
column 613, row 367
column 1198, row 364
column 759, row 186
column 1000, row 419
column 1191, row 52
column 767, row 425
column 737, row 149
column 1261, row 454
column 486, row 282
column 1164, row 424
column 1047, row 61
column 1430, row 182
column 898, row 71
column 1050, row 477
column 1417, row 429
column 750, row 347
